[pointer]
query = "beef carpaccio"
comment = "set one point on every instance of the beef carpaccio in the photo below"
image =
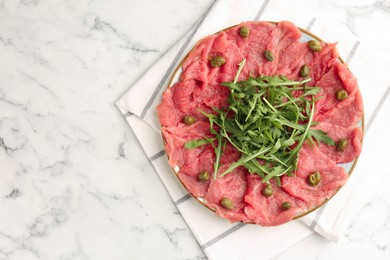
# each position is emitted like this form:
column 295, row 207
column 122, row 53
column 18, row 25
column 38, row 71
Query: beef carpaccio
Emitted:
column 199, row 89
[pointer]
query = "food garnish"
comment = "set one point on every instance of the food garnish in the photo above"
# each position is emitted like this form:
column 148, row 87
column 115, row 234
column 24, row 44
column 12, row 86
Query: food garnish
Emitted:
column 268, row 119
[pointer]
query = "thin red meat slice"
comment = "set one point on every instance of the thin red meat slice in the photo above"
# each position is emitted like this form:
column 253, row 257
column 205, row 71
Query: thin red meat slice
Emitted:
column 291, row 61
column 197, row 71
column 232, row 186
column 176, row 137
column 187, row 98
column 330, row 83
column 312, row 160
column 167, row 113
column 337, row 78
column 253, row 46
column 195, row 65
column 267, row 211
column 349, row 80
column 188, row 173
column 204, row 161
column 189, row 95
column 320, row 62
column 183, row 95
column 282, row 36
column 193, row 185
column 214, row 96
column 230, row 52
column 297, row 54
column 230, row 155
column 354, row 144
column 347, row 113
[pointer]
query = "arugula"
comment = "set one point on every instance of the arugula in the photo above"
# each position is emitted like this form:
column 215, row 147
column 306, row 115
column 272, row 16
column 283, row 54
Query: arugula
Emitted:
column 195, row 143
column 268, row 120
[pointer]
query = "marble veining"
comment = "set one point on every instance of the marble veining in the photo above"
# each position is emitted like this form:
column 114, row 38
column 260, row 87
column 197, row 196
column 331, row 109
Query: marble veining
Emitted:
column 75, row 181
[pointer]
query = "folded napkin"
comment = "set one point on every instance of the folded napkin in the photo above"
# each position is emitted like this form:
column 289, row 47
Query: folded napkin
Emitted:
column 219, row 238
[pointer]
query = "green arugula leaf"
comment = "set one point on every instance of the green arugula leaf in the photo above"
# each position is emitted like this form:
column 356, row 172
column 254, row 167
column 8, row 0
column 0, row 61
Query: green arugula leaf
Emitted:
column 321, row 136
column 195, row 143
column 218, row 152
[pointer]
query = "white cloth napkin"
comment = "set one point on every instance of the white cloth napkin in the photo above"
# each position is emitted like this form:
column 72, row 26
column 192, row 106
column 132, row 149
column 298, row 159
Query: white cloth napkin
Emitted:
column 219, row 238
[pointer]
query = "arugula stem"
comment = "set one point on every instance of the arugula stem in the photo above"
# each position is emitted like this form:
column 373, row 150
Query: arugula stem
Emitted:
column 271, row 106
column 304, row 136
column 244, row 159
column 279, row 161
column 273, row 174
column 287, row 83
column 218, row 153
column 240, row 66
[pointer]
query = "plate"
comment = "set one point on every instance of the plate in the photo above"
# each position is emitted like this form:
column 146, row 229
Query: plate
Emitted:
column 349, row 167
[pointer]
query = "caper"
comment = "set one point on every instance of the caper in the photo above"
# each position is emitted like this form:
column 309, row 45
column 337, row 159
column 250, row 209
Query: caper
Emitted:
column 304, row 71
column 315, row 45
column 267, row 191
column 227, row 203
column 341, row 94
column 204, row 176
column 268, row 55
column 217, row 61
column 244, row 31
column 314, row 178
column 188, row 120
column 342, row 144
column 286, row 205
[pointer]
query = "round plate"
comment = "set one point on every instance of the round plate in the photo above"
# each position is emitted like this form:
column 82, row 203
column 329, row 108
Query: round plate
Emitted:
column 349, row 167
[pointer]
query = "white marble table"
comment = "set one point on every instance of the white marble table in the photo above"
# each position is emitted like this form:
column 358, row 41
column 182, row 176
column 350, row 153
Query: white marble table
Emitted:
column 75, row 183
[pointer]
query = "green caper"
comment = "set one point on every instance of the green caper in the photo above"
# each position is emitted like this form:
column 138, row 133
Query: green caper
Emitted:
column 267, row 191
column 314, row 178
column 204, row 176
column 244, row 31
column 304, row 71
column 342, row 144
column 268, row 55
column 341, row 94
column 227, row 203
column 188, row 120
column 286, row 205
column 315, row 45
column 217, row 61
